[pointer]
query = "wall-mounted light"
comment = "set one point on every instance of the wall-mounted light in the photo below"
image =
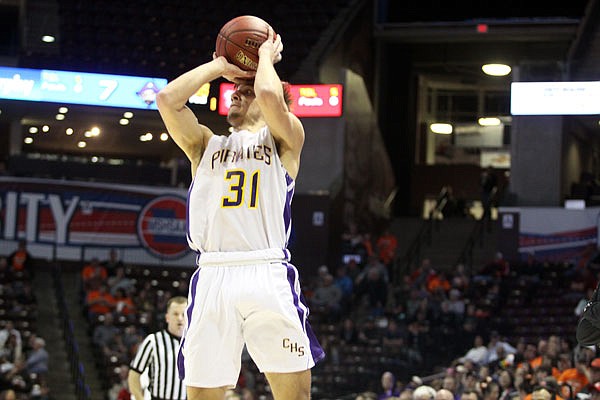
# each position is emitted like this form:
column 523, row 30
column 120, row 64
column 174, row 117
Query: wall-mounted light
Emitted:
column 489, row 121
column 441, row 128
column 496, row 69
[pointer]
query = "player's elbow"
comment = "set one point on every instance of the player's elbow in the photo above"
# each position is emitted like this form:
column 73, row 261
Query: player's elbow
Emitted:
column 166, row 100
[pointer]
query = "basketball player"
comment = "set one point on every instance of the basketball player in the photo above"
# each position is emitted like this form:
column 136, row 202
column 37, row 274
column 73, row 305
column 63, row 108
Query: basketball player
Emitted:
column 244, row 292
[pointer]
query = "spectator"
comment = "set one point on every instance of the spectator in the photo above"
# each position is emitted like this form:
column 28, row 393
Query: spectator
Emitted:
column 507, row 388
column 120, row 389
column 20, row 260
column 444, row 394
column 124, row 305
column 346, row 285
column 577, row 377
column 477, row 354
column 104, row 332
column 327, row 298
column 99, row 302
column 113, row 262
column 424, row 392
column 37, row 359
column 374, row 286
column 118, row 280
column 93, row 275
column 350, row 334
column 8, row 331
column 387, row 246
column 389, row 386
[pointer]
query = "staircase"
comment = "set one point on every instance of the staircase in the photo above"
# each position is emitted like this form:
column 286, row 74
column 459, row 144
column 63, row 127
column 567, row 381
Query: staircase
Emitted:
column 49, row 325
column 71, row 284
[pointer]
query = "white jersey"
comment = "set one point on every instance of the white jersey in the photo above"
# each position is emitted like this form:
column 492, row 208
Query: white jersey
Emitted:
column 240, row 199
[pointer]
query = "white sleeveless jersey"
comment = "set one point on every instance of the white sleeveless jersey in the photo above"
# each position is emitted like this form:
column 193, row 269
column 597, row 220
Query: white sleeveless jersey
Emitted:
column 240, row 198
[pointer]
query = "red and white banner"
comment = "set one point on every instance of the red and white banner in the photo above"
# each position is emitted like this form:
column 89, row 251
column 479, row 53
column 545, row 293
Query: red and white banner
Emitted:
column 74, row 217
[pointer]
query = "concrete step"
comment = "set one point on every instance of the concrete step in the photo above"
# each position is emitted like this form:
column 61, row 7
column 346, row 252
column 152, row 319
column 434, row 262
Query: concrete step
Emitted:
column 81, row 332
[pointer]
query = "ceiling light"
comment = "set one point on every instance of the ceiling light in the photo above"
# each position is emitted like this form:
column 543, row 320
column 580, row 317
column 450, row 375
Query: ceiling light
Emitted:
column 81, row 144
column 442, row 129
column 69, row 131
column 146, row 137
column 95, row 131
column 496, row 69
column 128, row 114
column 28, row 140
column 489, row 121
column 60, row 117
column 48, row 38
column 123, row 121
column 94, row 159
column 33, row 129
column 63, row 110
column 88, row 134
column 45, row 128
column 164, row 137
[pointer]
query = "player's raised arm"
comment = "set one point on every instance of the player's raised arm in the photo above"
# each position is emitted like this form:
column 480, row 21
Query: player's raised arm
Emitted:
column 179, row 120
column 285, row 126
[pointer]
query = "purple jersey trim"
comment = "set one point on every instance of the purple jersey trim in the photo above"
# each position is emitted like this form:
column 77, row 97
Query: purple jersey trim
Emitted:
column 316, row 350
column 190, row 309
column 287, row 208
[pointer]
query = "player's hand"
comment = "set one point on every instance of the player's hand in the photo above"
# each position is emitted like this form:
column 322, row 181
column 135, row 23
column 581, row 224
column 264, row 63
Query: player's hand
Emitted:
column 272, row 47
column 232, row 72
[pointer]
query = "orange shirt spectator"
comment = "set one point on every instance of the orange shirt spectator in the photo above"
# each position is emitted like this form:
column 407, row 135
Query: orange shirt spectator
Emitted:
column 93, row 274
column 575, row 378
column 20, row 259
column 99, row 301
column 437, row 281
column 387, row 244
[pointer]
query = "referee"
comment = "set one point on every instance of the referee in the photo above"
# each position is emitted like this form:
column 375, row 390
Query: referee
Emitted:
column 158, row 353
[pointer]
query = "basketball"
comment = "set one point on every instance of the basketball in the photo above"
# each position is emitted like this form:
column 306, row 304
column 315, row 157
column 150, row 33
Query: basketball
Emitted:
column 239, row 40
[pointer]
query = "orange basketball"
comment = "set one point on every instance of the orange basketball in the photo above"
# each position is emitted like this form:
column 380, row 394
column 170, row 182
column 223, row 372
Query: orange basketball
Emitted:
column 239, row 40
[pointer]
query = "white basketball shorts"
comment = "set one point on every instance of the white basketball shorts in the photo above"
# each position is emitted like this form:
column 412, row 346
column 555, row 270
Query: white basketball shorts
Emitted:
column 238, row 298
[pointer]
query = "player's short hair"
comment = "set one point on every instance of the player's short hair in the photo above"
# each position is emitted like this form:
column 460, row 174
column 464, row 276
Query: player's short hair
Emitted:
column 177, row 300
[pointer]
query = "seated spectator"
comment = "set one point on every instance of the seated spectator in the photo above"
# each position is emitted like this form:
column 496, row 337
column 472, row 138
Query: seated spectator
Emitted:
column 120, row 389
column 374, row 286
column 124, row 304
column 93, row 275
column 37, row 359
column 20, row 260
column 389, row 386
column 104, row 332
column 327, row 298
column 35, row 363
column 476, row 354
column 350, row 334
column 99, row 302
column 119, row 281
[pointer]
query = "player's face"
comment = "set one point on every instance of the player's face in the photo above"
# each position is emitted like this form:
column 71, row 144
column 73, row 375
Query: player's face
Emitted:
column 176, row 318
column 241, row 99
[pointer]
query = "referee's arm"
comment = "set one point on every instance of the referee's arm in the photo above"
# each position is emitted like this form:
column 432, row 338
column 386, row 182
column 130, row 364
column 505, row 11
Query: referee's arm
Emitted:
column 138, row 366
column 135, row 385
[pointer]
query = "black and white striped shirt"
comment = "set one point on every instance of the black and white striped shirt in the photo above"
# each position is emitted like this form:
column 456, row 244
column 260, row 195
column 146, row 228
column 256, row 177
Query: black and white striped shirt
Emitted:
column 158, row 353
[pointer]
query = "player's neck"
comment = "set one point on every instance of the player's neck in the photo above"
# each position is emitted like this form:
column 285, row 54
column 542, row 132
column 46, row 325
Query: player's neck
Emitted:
column 250, row 126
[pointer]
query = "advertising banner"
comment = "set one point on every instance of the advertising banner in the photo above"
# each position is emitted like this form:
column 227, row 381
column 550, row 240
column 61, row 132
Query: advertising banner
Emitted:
column 79, row 220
